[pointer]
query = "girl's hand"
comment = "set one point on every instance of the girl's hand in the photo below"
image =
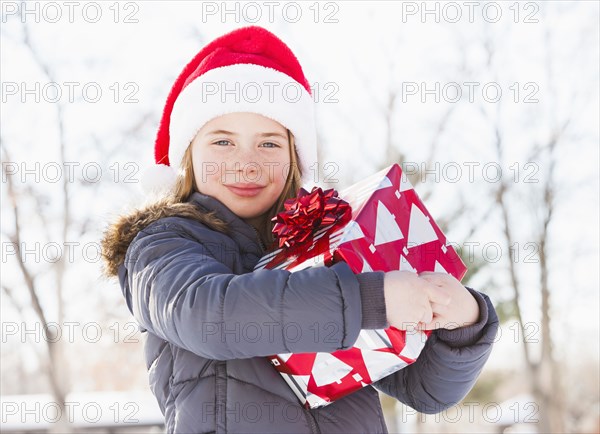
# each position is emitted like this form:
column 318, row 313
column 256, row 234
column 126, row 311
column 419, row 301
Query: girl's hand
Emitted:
column 461, row 311
column 409, row 299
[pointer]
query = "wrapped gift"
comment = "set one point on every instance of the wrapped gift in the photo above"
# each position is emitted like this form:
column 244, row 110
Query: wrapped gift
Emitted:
column 378, row 224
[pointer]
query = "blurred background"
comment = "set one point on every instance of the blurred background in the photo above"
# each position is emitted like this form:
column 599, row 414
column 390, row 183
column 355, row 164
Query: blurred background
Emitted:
column 492, row 108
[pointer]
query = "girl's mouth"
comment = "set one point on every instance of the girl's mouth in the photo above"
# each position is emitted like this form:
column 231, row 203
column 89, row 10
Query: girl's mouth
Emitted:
column 246, row 190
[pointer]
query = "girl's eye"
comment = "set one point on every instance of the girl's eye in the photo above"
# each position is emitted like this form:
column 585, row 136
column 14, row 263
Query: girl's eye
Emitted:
column 220, row 142
column 275, row 145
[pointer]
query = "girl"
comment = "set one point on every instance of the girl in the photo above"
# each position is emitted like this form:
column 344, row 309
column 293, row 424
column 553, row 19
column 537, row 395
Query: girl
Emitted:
column 243, row 143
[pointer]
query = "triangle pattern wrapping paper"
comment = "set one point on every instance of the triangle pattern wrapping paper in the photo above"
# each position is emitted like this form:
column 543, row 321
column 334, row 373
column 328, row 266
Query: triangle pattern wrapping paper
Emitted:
column 390, row 230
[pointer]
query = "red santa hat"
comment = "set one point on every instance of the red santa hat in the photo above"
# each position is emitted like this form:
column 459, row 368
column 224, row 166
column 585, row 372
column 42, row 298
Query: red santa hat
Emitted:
column 247, row 70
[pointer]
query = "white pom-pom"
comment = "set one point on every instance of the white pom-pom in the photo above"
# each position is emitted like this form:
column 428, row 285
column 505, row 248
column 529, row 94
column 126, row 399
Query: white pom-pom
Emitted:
column 158, row 179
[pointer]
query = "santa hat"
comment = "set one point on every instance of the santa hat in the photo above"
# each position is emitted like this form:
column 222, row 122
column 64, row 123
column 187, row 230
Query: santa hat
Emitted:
column 247, row 70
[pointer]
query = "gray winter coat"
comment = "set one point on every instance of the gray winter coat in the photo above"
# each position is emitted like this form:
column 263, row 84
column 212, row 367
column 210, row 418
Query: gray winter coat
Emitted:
column 211, row 320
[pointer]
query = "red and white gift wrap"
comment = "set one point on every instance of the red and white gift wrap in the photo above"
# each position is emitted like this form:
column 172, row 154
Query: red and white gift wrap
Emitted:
column 389, row 229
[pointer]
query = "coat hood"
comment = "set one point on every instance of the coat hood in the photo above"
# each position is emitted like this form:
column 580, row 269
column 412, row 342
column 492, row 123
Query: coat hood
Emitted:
column 120, row 233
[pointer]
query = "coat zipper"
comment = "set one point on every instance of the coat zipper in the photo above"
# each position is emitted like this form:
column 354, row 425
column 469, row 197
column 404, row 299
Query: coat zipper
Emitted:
column 221, row 396
column 312, row 423
column 260, row 241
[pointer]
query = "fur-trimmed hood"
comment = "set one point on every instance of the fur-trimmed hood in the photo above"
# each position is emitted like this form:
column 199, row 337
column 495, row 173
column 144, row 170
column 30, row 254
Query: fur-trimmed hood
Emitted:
column 120, row 233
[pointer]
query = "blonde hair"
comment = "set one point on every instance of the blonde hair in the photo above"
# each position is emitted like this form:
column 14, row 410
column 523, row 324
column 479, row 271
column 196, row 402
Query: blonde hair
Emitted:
column 118, row 235
column 185, row 184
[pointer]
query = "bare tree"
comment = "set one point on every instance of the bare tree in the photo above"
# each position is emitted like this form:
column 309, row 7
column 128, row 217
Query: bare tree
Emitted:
column 388, row 109
column 57, row 364
column 543, row 373
column 53, row 356
column 542, row 369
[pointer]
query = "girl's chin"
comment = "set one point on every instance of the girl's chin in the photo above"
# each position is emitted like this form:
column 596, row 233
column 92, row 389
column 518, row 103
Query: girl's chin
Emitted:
column 244, row 213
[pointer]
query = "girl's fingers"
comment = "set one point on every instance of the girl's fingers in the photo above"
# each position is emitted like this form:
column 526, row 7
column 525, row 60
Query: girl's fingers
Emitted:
column 432, row 280
column 427, row 314
column 437, row 295
column 439, row 279
column 439, row 309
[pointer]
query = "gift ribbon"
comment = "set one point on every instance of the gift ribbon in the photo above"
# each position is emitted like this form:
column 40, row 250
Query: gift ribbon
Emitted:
column 307, row 213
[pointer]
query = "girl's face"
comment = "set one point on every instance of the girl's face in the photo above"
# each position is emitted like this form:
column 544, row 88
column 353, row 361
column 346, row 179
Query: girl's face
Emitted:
column 242, row 159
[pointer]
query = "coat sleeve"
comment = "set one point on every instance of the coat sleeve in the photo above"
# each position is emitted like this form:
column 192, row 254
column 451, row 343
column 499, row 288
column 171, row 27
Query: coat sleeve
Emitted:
column 177, row 290
column 448, row 366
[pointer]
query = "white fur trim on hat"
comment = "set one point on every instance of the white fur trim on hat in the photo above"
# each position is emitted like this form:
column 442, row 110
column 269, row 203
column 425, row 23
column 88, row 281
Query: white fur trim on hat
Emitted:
column 245, row 88
column 157, row 179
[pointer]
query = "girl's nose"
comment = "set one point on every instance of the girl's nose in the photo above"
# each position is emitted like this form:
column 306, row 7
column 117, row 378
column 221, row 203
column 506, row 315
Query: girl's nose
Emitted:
column 245, row 158
column 249, row 170
column 247, row 165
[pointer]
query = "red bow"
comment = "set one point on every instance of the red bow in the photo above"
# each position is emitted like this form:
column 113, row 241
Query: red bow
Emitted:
column 309, row 212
